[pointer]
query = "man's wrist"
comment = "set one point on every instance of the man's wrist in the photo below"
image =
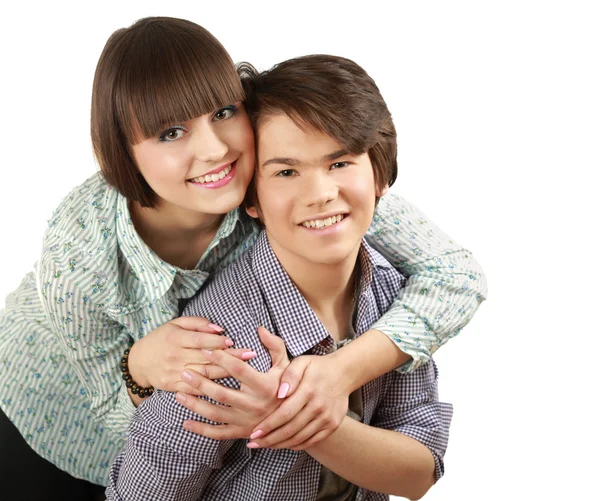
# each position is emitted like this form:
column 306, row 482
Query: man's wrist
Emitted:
column 347, row 361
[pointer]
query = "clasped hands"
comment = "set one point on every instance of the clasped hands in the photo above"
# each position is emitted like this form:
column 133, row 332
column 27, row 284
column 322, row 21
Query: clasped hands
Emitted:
column 294, row 405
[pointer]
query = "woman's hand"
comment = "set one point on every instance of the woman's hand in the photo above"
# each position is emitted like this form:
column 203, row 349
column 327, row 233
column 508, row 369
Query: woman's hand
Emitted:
column 244, row 408
column 159, row 358
column 316, row 402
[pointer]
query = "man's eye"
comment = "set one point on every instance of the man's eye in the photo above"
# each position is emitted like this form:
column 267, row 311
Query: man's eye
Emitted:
column 286, row 173
column 339, row 165
column 224, row 113
column 172, row 134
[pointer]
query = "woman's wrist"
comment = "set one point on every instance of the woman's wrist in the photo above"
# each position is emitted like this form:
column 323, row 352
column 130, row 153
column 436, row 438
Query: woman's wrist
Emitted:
column 371, row 355
column 135, row 369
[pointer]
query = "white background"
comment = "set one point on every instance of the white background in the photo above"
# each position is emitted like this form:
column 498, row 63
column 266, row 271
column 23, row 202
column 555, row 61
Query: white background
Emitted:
column 498, row 114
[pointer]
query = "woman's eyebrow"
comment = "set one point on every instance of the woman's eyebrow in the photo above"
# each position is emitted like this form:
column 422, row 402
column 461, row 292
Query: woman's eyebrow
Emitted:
column 294, row 161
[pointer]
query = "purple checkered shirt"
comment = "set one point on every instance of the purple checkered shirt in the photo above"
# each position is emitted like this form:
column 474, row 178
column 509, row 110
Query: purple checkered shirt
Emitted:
column 164, row 462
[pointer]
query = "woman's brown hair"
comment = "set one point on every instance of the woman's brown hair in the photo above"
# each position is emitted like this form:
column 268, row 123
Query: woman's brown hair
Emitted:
column 331, row 94
column 158, row 72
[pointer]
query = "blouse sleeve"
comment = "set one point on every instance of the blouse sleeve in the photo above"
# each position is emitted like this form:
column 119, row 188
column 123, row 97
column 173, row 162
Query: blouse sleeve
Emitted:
column 445, row 283
column 93, row 342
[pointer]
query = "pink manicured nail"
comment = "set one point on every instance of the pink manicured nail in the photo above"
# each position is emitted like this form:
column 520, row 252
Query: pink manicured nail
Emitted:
column 252, row 445
column 283, row 390
column 228, row 342
column 247, row 355
column 257, row 434
column 215, row 327
column 207, row 352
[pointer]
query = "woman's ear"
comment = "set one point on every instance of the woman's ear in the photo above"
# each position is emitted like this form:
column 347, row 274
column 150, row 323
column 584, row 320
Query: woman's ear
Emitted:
column 252, row 212
column 379, row 192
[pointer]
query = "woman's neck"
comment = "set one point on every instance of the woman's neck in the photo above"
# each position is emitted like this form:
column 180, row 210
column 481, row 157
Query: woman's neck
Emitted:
column 179, row 237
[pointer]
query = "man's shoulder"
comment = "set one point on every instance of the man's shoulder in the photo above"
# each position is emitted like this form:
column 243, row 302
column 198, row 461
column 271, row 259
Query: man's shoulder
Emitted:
column 228, row 293
column 384, row 278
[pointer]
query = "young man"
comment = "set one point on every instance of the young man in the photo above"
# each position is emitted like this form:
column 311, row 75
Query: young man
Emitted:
column 326, row 152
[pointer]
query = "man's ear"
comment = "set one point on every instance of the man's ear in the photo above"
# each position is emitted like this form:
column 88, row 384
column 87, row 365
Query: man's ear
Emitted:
column 252, row 212
column 379, row 192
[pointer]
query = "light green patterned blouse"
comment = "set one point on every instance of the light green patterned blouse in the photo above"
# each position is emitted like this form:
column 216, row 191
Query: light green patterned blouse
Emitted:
column 98, row 286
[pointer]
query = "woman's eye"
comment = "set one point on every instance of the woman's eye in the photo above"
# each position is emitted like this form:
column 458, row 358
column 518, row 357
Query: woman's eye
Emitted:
column 286, row 173
column 224, row 113
column 339, row 165
column 172, row 134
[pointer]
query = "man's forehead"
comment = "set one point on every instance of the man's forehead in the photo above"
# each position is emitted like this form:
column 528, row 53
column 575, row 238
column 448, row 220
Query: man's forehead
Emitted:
column 283, row 140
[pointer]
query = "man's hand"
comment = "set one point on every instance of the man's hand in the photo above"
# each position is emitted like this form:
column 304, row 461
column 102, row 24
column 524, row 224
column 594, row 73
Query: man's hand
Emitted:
column 316, row 402
column 242, row 409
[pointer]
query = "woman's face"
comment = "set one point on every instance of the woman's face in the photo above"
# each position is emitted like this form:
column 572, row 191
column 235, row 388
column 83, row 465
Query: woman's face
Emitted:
column 203, row 165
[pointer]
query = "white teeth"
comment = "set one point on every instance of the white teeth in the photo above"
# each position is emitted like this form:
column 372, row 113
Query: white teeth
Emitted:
column 323, row 223
column 211, row 178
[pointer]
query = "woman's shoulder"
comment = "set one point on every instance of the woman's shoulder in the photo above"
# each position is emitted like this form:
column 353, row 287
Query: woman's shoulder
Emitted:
column 86, row 203
column 83, row 228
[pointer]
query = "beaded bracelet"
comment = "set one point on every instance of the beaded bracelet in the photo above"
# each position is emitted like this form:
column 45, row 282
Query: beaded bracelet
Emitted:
column 129, row 382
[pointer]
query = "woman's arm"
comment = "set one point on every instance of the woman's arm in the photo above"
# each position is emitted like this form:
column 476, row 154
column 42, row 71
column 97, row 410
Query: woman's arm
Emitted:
column 74, row 303
column 445, row 283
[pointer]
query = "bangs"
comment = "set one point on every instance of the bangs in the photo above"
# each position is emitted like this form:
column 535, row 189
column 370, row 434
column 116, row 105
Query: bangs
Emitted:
column 168, row 76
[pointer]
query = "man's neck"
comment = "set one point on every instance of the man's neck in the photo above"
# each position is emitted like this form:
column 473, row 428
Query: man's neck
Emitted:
column 329, row 289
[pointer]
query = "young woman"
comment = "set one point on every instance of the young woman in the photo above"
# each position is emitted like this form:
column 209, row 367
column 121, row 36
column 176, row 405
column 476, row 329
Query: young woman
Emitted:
column 124, row 249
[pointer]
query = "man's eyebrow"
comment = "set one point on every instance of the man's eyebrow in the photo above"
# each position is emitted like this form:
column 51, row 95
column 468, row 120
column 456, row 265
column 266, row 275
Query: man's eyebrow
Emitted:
column 294, row 161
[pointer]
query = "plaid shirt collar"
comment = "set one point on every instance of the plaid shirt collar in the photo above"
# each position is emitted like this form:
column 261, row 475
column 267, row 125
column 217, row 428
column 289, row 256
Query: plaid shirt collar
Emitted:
column 286, row 315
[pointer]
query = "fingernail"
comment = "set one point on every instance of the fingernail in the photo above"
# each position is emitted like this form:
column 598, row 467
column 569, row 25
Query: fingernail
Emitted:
column 252, row 445
column 188, row 426
column 247, row 355
column 181, row 398
column 215, row 327
column 257, row 434
column 187, row 377
column 228, row 342
column 283, row 390
column 207, row 352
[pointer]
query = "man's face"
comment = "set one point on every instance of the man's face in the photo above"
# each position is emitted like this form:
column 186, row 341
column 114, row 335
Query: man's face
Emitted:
column 316, row 200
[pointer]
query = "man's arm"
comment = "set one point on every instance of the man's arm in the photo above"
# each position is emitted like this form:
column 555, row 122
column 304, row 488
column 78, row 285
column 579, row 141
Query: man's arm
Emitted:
column 161, row 460
column 401, row 451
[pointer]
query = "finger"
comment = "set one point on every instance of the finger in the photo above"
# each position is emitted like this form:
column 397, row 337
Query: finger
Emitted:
column 216, row 391
column 209, row 371
column 239, row 370
column 198, row 357
column 312, row 441
column 208, row 410
column 285, row 413
column 276, row 347
column 202, row 340
column 292, row 376
column 198, row 324
column 214, row 431
column 290, row 429
column 242, row 353
column 304, row 434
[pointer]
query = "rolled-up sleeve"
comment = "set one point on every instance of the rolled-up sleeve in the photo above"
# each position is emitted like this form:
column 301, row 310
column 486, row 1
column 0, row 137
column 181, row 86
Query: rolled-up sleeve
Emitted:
column 410, row 406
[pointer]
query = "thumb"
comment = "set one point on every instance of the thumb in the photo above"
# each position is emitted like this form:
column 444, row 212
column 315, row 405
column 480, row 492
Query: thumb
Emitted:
column 276, row 348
